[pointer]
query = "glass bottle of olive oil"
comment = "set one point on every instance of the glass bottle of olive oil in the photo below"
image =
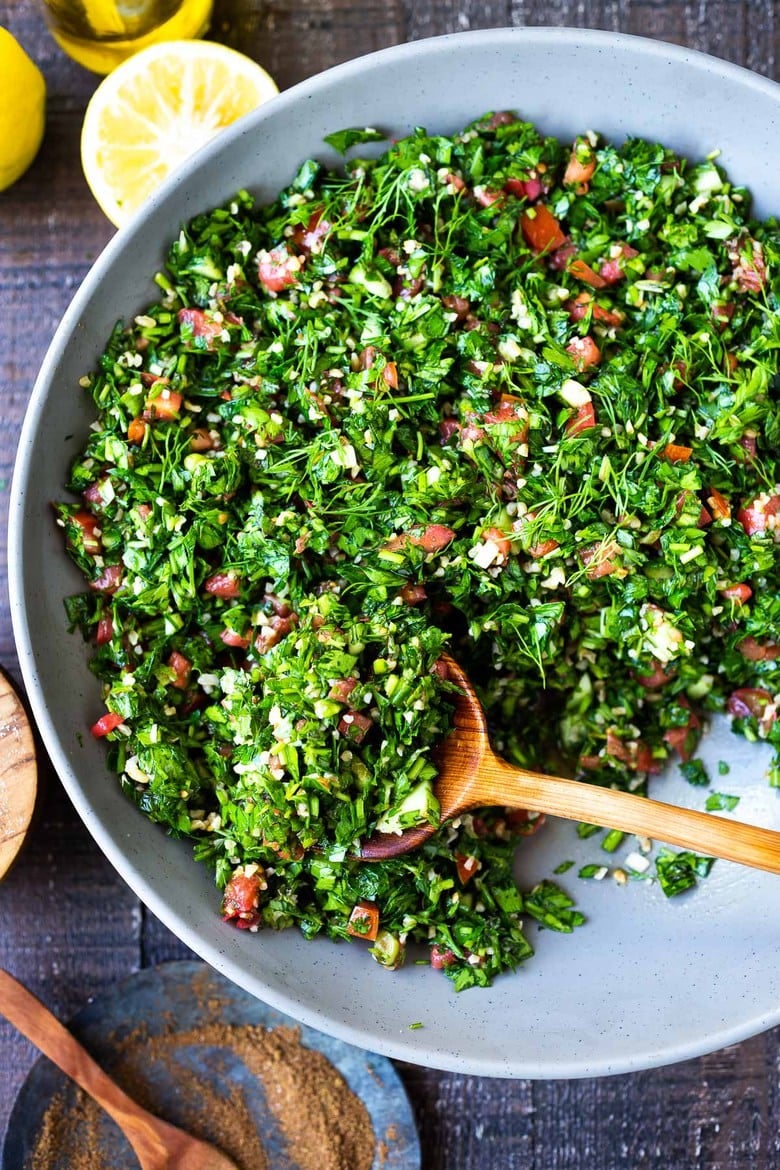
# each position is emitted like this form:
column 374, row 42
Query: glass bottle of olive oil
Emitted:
column 101, row 33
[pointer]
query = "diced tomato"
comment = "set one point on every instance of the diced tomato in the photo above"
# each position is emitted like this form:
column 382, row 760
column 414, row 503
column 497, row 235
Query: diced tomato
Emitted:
column 467, row 866
column 584, row 272
column 413, row 594
column 234, row 639
column 89, row 536
column 740, row 593
column 580, row 170
column 542, row 549
column 560, row 259
column 309, row 238
column 241, row 897
column 181, row 668
column 278, row 627
column 684, row 739
column 435, row 537
column 105, row 631
column 355, row 727
column 136, row 430
column 341, row 689
column 226, row 585
column 541, row 229
column 500, row 539
column 756, row 651
column 511, row 409
column 106, row 724
column 364, row 920
column 94, row 495
column 458, row 305
column 676, row 453
column 754, row 516
column 613, row 270
column 201, row 439
column 499, row 118
column 486, row 198
column 163, row 406
column 748, row 701
column 748, row 264
column 659, row 677
column 704, row 518
column 277, row 269
column 390, row 375
column 201, row 324
column 280, row 605
column 523, row 822
column 584, row 303
column 529, row 189
column 432, row 539
column 642, row 759
column 583, row 419
column 600, row 560
column 635, row 754
column 585, row 353
column 719, row 505
column 722, row 312
column 455, row 181
column 109, row 580
column 441, row 957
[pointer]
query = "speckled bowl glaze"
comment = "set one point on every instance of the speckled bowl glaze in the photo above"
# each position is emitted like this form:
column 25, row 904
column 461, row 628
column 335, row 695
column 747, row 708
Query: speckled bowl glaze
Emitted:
column 648, row 981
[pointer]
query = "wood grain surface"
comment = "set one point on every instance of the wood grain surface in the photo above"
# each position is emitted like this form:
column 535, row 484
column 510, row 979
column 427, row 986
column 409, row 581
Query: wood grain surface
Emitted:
column 68, row 925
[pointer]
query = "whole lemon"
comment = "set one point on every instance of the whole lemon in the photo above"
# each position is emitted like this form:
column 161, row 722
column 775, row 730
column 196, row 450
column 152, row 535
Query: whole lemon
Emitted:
column 22, row 109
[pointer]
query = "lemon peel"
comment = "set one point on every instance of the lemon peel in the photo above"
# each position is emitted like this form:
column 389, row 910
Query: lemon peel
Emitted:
column 22, row 109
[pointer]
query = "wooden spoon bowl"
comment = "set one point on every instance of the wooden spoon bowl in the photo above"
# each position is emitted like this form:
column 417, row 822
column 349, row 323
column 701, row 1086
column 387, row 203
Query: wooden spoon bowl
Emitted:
column 472, row 776
column 18, row 774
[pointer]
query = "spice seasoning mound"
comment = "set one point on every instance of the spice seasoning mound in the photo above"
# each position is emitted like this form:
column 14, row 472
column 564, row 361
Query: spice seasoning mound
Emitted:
column 223, row 1082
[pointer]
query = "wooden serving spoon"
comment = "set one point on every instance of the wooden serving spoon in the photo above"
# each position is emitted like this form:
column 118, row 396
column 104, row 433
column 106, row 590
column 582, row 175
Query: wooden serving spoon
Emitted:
column 18, row 774
column 157, row 1145
column 472, row 776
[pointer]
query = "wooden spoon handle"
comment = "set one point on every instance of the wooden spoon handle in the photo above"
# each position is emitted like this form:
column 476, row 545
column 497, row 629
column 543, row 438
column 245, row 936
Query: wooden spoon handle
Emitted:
column 500, row 783
column 145, row 1133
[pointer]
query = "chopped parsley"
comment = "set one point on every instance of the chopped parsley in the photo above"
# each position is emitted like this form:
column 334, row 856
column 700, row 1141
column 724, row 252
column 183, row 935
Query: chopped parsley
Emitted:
column 695, row 773
column 563, row 867
column 721, row 802
column 490, row 393
column 678, row 872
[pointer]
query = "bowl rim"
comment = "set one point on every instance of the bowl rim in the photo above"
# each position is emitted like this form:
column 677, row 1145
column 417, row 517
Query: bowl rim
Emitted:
column 543, row 37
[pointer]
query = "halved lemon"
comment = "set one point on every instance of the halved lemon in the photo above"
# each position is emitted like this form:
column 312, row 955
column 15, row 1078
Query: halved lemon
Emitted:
column 155, row 110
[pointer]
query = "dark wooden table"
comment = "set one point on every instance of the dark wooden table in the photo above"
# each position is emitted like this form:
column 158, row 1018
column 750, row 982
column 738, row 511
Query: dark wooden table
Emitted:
column 69, row 926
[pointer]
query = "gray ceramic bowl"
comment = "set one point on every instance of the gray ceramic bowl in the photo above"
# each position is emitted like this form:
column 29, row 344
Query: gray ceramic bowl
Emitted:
column 647, row 981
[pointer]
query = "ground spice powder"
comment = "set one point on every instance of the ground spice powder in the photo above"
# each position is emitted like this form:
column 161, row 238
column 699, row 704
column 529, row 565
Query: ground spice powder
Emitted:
column 322, row 1123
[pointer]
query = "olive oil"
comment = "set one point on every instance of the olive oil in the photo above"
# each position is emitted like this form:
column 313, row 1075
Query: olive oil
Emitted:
column 99, row 34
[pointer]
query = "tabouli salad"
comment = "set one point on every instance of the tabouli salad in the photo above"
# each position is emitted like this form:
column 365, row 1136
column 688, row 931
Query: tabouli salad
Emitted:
column 492, row 393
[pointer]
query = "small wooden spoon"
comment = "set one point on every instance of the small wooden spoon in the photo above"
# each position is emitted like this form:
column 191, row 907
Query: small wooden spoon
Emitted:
column 157, row 1145
column 472, row 776
column 18, row 774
